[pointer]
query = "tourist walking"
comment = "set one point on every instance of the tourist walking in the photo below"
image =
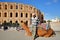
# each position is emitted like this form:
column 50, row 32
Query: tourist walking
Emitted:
column 34, row 23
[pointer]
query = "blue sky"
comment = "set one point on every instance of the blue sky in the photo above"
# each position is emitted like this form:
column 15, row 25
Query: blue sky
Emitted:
column 50, row 8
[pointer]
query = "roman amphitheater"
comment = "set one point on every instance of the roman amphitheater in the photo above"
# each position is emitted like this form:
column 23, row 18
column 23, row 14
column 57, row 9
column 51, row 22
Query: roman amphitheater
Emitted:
column 12, row 12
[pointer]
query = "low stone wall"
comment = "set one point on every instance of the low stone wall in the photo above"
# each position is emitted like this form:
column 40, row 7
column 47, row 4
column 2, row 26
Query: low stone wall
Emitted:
column 55, row 26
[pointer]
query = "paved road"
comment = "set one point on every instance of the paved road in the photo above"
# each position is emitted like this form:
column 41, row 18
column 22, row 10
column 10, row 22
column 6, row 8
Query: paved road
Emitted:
column 20, row 35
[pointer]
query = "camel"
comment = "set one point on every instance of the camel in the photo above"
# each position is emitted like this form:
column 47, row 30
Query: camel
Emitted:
column 40, row 32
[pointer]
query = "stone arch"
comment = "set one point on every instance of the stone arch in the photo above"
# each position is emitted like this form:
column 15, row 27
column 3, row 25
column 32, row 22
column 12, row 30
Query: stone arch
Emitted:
column 26, row 22
column 5, row 14
column 26, row 15
column 5, row 6
column 11, row 6
column 16, row 14
column 11, row 14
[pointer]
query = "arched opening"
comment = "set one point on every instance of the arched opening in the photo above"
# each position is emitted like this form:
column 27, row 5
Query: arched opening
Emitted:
column 11, row 7
column 11, row 14
column 34, row 9
column 21, row 7
column 5, row 14
column 16, row 24
column 5, row 6
column 5, row 21
column 0, row 6
column 42, row 18
column 0, row 14
column 21, row 14
column 16, row 14
column 21, row 21
column 10, row 21
column 16, row 21
column 31, row 15
column 26, row 15
column 16, row 6
column 26, row 22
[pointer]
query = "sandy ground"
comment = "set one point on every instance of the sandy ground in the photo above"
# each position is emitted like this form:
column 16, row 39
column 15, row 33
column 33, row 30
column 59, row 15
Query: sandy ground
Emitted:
column 12, row 34
column 20, row 35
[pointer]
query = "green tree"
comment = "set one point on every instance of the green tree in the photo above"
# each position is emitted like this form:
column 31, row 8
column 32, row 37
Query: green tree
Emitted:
column 44, row 21
column 49, row 21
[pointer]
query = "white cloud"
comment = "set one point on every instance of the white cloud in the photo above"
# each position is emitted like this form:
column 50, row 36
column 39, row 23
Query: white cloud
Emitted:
column 48, row 3
column 46, row 14
column 55, row 1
